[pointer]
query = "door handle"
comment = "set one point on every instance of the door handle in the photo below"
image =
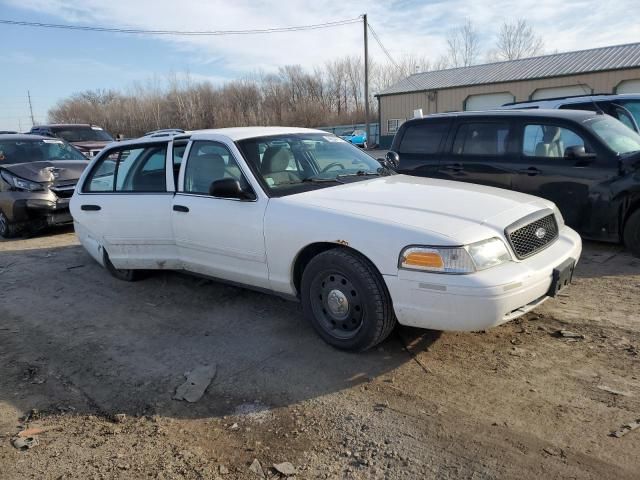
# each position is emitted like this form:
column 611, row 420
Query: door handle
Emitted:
column 90, row 208
column 531, row 171
column 180, row 208
column 454, row 167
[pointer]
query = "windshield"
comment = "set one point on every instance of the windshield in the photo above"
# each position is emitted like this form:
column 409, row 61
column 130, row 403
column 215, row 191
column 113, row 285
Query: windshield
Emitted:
column 616, row 135
column 83, row 134
column 293, row 163
column 24, row 151
column 633, row 106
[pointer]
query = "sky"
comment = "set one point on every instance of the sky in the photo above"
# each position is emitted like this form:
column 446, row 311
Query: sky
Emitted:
column 52, row 64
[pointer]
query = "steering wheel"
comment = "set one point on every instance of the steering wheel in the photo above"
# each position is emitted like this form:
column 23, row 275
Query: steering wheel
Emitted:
column 331, row 165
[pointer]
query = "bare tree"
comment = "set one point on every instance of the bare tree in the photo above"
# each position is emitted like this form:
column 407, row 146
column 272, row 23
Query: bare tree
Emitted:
column 463, row 45
column 517, row 39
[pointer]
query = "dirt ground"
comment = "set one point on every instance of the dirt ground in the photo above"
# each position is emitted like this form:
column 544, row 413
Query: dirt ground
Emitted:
column 94, row 364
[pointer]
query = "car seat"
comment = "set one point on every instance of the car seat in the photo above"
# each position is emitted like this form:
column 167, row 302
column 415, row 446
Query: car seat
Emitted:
column 274, row 166
column 551, row 145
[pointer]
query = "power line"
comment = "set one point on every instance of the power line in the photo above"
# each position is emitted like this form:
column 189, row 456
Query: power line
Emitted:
column 297, row 28
column 393, row 62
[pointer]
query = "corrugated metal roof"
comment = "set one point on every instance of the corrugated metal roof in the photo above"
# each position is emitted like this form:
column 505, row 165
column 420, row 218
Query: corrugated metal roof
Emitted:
column 596, row 59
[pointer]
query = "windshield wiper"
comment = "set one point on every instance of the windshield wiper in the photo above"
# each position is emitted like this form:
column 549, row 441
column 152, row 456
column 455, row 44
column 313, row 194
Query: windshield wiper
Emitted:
column 359, row 173
column 322, row 180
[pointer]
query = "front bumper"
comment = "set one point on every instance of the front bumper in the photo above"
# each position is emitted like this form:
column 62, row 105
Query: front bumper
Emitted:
column 42, row 209
column 483, row 299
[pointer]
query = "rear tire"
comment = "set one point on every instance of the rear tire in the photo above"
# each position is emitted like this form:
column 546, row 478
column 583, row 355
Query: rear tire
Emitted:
column 7, row 229
column 632, row 233
column 124, row 274
column 345, row 299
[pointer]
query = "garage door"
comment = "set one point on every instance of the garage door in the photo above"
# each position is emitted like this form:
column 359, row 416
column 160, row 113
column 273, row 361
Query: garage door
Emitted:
column 487, row 101
column 628, row 86
column 568, row 91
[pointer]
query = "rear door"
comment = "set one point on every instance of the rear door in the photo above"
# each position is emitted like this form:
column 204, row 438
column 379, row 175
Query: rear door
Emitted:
column 420, row 146
column 124, row 207
column 546, row 171
column 480, row 151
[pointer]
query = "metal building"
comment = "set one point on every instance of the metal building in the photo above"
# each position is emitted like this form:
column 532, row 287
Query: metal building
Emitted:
column 614, row 69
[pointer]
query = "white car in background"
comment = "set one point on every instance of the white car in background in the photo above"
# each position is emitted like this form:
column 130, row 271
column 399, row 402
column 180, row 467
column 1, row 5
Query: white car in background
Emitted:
column 304, row 214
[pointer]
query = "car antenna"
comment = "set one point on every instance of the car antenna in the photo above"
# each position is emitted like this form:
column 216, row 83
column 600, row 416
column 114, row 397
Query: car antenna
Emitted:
column 597, row 109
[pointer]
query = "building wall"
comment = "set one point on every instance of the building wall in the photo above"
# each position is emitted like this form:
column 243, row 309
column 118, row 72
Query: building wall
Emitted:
column 401, row 106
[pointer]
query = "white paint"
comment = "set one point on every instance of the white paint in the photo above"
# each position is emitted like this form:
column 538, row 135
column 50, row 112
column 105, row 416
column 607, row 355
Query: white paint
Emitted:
column 566, row 91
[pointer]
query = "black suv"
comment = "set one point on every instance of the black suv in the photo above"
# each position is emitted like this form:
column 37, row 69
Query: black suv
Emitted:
column 585, row 162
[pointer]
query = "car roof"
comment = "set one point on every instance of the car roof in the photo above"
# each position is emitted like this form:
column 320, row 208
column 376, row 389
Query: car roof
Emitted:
column 26, row 136
column 242, row 133
column 577, row 98
column 65, row 125
column 577, row 115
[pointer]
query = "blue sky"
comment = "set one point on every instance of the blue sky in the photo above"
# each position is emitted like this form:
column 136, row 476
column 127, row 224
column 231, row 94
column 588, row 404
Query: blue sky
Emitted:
column 53, row 64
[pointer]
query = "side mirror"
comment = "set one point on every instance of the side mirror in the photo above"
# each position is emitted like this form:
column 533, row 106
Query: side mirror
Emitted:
column 229, row 188
column 394, row 159
column 577, row 152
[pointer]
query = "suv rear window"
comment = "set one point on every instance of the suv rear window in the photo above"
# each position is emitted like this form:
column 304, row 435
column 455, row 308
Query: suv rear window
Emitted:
column 481, row 139
column 423, row 137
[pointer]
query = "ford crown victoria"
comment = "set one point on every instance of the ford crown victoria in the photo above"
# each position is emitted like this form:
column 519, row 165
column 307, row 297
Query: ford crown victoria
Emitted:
column 304, row 214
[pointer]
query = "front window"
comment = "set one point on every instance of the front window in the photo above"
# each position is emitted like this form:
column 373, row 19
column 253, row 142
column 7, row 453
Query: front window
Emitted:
column 83, row 134
column 549, row 141
column 617, row 136
column 633, row 107
column 293, row 163
column 24, row 151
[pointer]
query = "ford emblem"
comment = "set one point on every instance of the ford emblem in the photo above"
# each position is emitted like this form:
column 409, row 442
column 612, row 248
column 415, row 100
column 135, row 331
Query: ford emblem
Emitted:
column 540, row 233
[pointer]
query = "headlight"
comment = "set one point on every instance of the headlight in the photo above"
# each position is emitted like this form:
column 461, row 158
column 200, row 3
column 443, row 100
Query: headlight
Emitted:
column 465, row 259
column 20, row 183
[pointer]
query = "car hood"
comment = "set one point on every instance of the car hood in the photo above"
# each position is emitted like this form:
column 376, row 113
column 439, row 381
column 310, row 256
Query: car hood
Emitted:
column 48, row 171
column 452, row 210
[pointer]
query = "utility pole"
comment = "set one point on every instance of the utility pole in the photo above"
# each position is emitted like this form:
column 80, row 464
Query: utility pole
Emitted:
column 33, row 122
column 366, row 80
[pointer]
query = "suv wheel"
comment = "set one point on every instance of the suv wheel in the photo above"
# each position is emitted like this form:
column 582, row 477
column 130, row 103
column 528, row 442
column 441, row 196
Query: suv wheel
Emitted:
column 632, row 233
column 7, row 230
column 125, row 274
column 346, row 300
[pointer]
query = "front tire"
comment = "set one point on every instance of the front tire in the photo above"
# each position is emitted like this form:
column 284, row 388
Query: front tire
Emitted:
column 7, row 229
column 632, row 233
column 345, row 299
column 124, row 274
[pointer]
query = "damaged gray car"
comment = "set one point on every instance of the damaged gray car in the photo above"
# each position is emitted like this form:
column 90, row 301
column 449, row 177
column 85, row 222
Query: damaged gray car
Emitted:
column 37, row 178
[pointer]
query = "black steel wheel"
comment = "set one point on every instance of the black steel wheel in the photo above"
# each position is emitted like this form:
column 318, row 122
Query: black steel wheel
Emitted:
column 345, row 299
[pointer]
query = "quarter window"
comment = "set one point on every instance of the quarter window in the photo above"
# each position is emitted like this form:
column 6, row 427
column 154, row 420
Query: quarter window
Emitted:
column 423, row 137
column 208, row 162
column 549, row 141
column 481, row 139
column 140, row 169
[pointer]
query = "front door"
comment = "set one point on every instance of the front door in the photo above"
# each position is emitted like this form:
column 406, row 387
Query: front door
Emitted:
column 124, row 207
column 547, row 170
column 218, row 237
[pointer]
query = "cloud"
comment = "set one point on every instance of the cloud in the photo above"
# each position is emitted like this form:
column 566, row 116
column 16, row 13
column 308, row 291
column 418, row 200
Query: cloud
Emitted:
column 405, row 26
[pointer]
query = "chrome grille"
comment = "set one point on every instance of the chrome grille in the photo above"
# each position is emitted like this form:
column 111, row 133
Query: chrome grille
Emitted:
column 532, row 233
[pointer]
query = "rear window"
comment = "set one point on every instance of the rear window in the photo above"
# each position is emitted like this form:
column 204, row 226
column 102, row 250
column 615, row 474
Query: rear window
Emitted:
column 423, row 137
column 481, row 139
column 83, row 134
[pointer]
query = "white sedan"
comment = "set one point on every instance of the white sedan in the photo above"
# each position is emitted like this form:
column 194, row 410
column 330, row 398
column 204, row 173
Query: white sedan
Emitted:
column 305, row 215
